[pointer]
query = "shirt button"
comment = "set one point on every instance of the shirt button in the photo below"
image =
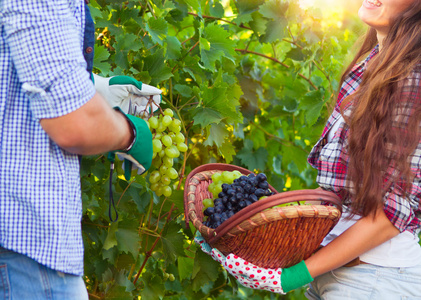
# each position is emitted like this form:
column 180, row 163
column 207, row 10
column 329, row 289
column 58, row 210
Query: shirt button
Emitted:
column 89, row 50
column 322, row 158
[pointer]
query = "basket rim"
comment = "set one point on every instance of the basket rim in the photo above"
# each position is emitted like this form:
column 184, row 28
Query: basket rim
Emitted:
column 249, row 211
column 271, row 201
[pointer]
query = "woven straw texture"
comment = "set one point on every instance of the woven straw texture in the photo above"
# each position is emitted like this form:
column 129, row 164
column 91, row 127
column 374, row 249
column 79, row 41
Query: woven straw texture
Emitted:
column 263, row 233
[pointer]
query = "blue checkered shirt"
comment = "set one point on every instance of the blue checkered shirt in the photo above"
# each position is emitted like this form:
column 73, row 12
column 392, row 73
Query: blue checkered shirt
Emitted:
column 42, row 75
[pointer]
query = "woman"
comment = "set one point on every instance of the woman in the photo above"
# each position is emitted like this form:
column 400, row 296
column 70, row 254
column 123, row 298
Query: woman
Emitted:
column 370, row 156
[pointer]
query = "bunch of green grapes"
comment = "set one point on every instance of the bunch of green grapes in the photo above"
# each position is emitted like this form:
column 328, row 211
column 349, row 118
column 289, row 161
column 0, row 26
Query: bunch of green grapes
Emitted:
column 168, row 142
column 219, row 178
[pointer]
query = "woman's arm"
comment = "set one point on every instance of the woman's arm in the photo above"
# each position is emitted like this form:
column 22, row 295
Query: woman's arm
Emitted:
column 367, row 233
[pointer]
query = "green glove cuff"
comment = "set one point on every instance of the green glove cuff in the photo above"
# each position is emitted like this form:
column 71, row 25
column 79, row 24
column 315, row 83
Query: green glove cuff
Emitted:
column 142, row 146
column 295, row 277
column 125, row 80
column 141, row 149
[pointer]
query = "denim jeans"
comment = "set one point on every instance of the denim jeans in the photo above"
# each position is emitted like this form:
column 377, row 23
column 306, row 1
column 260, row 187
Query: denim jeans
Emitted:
column 367, row 281
column 23, row 278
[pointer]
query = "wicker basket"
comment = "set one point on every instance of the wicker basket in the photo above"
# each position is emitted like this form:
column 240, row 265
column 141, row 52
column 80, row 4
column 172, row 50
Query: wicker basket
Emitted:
column 267, row 236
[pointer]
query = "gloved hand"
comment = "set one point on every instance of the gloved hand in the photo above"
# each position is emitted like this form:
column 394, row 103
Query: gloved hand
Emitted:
column 132, row 96
column 139, row 153
column 249, row 275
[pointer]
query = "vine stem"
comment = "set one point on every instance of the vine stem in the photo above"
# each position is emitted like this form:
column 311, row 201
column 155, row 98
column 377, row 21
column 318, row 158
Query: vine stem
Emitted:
column 125, row 190
column 293, row 43
column 260, row 54
column 132, row 268
column 219, row 19
column 159, row 214
column 94, row 296
column 324, row 73
column 243, row 51
column 97, row 225
column 149, row 253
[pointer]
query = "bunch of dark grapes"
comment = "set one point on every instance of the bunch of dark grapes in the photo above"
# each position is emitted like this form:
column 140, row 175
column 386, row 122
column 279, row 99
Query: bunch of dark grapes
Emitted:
column 244, row 191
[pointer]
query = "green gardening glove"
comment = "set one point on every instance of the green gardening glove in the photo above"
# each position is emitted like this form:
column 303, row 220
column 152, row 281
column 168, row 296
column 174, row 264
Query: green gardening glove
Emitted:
column 276, row 280
column 139, row 154
column 131, row 96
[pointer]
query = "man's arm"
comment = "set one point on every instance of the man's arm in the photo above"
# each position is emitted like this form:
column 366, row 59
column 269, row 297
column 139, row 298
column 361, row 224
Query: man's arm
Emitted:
column 92, row 129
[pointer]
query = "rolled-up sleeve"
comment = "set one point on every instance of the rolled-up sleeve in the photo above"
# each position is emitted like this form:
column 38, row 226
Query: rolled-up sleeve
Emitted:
column 404, row 209
column 44, row 38
column 403, row 212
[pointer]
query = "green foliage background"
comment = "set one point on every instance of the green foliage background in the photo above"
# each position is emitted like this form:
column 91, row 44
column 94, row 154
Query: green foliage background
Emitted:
column 252, row 82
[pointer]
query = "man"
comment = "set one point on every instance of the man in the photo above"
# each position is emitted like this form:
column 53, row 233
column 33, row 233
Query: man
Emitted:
column 50, row 114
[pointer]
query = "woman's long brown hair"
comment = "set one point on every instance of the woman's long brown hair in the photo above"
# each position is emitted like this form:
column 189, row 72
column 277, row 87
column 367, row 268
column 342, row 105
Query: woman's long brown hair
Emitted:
column 380, row 139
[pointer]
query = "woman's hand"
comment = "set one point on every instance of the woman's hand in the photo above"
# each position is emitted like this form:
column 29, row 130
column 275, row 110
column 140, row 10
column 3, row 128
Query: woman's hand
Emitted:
column 249, row 275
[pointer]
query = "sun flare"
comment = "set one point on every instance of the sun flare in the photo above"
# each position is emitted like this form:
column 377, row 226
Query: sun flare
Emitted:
column 333, row 11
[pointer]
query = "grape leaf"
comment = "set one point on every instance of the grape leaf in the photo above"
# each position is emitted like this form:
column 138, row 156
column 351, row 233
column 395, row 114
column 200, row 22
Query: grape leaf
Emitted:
column 195, row 5
column 217, row 135
column 258, row 24
column 248, row 6
column 173, row 47
column 128, row 240
column 225, row 104
column 296, row 54
column 101, row 55
column 274, row 30
column 158, row 29
column 177, row 197
column 253, row 160
column 217, row 10
column 227, row 150
column 184, row 90
column 124, row 44
column 220, row 45
column 277, row 164
column 172, row 241
column 153, row 288
column 205, row 116
column 156, row 67
column 205, row 270
column 296, row 155
column 313, row 103
column 274, row 9
column 185, row 266
column 111, row 240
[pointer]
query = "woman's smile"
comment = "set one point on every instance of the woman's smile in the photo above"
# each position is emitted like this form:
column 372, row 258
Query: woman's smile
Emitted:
column 372, row 4
column 381, row 14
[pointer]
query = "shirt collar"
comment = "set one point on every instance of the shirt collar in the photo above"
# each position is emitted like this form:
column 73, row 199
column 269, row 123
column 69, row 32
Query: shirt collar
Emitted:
column 373, row 53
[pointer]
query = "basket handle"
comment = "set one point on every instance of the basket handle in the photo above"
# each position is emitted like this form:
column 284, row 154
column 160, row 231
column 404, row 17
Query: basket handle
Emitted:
column 277, row 199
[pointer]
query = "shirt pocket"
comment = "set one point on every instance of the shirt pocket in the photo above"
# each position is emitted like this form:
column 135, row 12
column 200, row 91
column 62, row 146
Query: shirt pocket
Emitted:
column 332, row 155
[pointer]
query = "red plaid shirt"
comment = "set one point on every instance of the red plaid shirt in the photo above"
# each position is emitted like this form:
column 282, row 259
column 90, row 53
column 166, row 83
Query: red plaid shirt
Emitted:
column 331, row 159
